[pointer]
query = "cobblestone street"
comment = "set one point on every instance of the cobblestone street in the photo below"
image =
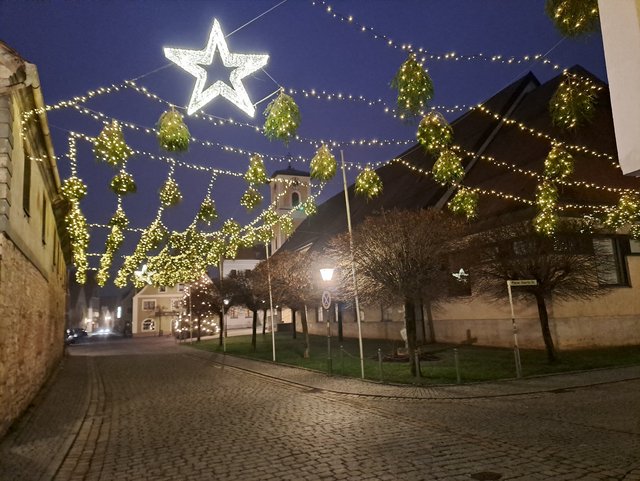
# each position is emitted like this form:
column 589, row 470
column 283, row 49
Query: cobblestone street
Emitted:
column 147, row 409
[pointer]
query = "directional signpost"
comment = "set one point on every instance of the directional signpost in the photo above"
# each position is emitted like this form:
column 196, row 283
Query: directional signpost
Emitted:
column 516, row 351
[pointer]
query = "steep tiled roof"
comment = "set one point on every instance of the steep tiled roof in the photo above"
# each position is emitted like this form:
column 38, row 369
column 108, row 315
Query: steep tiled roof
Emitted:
column 526, row 101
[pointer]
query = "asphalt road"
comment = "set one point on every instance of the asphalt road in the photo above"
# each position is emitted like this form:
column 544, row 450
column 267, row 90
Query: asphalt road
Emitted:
column 148, row 409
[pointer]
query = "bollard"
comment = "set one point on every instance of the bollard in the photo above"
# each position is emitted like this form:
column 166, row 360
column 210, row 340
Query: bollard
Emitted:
column 456, row 360
column 380, row 364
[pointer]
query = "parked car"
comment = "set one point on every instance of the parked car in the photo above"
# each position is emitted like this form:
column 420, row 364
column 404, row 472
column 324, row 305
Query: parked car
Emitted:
column 74, row 334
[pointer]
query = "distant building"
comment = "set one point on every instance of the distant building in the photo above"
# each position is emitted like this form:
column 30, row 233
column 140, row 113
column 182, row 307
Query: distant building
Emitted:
column 246, row 260
column 289, row 189
column 34, row 248
column 155, row 309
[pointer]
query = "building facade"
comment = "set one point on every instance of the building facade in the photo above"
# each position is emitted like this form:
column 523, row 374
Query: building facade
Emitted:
column 34, row 248
column 155, row 310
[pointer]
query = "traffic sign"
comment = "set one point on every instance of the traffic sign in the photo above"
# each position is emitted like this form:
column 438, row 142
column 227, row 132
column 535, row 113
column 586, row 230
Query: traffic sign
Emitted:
column 523, row 282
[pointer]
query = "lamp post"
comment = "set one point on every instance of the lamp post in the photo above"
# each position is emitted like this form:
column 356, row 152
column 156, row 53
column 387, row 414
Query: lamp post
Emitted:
column 327, row 274
column 225, row 320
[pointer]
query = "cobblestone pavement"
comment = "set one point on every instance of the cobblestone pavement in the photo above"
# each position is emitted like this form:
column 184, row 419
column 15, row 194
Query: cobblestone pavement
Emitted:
column 147, row 409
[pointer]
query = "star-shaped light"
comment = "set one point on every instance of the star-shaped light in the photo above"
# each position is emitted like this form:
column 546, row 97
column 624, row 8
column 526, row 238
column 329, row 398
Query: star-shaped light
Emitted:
column 461, row 275
column 243, row 64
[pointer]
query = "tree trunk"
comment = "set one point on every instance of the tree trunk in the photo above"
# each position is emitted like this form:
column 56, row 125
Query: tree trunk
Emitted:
column 293, row 322
column 221, row 316
column 305, row 331
column 199, row 330
column 254, row 328
column 544, row 325
column 432, row 330
column 264, row 321
column 410, row 326
column 339, row 321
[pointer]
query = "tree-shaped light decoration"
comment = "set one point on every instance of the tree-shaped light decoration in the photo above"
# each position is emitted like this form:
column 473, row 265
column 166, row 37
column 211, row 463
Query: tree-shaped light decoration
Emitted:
column 256, row 173
column 368, row 183
column 546, row 199
column 79, row 237
column 559, row 163
column 231, row 230
column 150, row 239
column 448, row 168
column 573, row 103
column 264, row 234
column 118, row 223
column 286, row 224
column 251, row 199
column 123, row 183
column 170, row 193
column 626, row 212
column 465, row 202
column 434, row 132
column 207, row 212
column 110, row 146
column 573, row 17
column 414, row 86
column 282, row 118
column 173, row 133
column 634, row 232
column 74, row 188
column 323, row 164
column 309, row 206
column 545, row 222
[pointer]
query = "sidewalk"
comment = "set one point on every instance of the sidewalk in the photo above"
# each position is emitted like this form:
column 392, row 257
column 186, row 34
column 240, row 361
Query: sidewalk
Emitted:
column 351, row 386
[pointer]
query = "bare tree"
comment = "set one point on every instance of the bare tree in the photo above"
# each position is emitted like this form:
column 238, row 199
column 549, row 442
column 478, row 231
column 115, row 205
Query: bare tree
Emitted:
column 246, row 290
column 201, row 298
column 400, row 256
column 564, row 267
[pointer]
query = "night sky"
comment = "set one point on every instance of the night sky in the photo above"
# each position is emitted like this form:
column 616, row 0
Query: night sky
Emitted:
column 81, row 46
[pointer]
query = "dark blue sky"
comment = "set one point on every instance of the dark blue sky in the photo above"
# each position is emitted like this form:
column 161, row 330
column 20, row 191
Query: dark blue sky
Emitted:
column 80, row 46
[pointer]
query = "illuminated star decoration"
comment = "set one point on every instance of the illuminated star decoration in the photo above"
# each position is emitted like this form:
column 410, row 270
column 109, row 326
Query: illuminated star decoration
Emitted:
column 143, row 275
column 243, row 65
column 461, row 275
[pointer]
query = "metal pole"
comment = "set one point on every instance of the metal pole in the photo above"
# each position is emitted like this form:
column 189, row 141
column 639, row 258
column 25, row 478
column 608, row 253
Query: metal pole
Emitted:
column 516, row 350
column 457, row 363
column 224, row 321
column 341, row 360
column 329, row 367
column 273, row 328
column 353, row 265
column 190, row 319
column 380, row 364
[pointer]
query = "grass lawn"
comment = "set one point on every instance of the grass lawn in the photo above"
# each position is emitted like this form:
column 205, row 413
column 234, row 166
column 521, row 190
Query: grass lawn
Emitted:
column 475, row 363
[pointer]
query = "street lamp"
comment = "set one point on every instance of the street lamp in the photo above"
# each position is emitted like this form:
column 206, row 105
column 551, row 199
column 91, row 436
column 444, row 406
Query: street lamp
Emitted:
column 327, row 273
column 226, row 320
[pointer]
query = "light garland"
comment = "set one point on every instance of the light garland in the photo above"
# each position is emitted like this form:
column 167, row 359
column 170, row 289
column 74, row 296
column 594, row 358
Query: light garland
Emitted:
column 257, row 173
column 74, row 188
column 434, row 133
column 448, row 168
column 118, row 223
column 573, row 103
column 573, row 17
column 323, row 165
column 368, row 183
column 251, row 199
column 123, row 183
column 170, row 193
column 559, row 164
column 173, row 134
column 282, row 118
column 414, row 86
column 110, row 146
column 626, row 212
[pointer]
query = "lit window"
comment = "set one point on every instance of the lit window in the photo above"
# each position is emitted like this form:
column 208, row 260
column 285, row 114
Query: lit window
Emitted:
column 610, row 263
column 148, row 325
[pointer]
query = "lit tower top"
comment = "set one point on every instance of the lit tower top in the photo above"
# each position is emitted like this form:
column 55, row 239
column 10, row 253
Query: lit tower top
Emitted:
column 289, row 189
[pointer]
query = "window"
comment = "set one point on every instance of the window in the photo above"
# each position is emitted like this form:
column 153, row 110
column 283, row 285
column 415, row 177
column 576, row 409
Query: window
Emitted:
column 233, row 313
column 26, row 184
column 43, row 231
column 148, row 325
column 176, row 304
column 162, row 289
column 295, row 199
column 180, row 287
column 610, row 265
column 149, row 305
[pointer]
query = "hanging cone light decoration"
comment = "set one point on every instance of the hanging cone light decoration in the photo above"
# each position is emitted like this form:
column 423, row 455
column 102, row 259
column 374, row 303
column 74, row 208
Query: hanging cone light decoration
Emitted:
column 573, row 17
column 323, row 165
column 173, row 133
column 118, row 223
column 207, row 212
column 573, row 103
column 309, row 206
column 110, row 146
column 434, row 132
column 546, row 195
column 545, row 222
column 79, row 237
column 282, row 118
column 123, row 183
column 448, row 168
column 414, row 86
column 368, row 183
column 170, row 193
column 559, row 164
column 251, row 199
column 257, row 173
column 465, row 202
column 73, row 188
column 626, row 212
column 286, row 224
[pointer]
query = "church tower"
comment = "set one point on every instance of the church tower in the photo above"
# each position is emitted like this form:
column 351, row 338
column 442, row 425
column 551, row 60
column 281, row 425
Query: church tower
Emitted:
column 289, row 189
